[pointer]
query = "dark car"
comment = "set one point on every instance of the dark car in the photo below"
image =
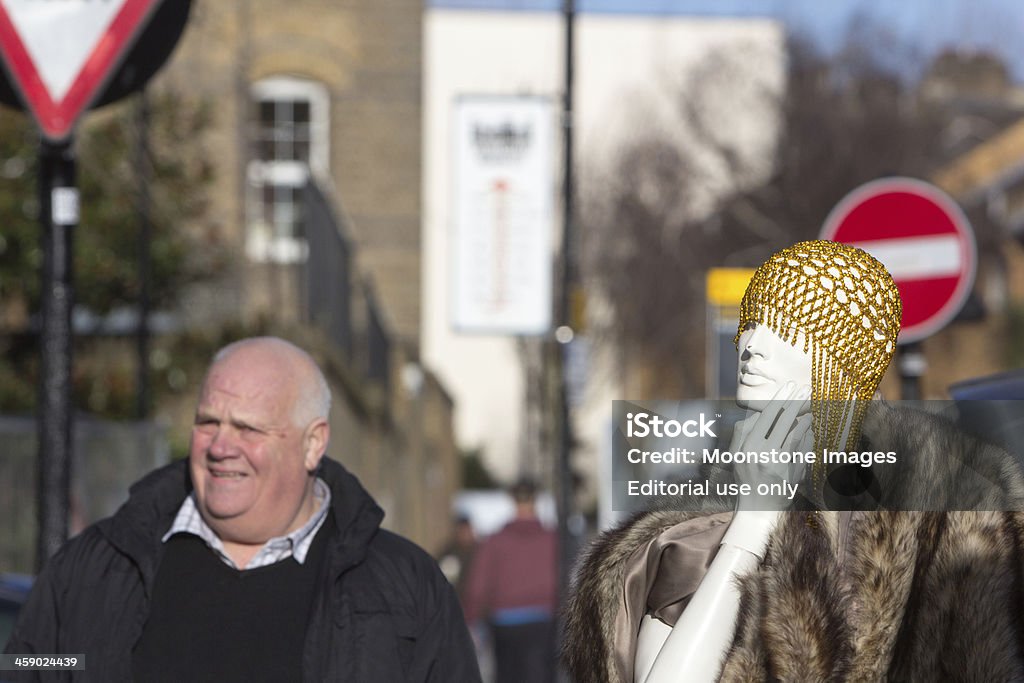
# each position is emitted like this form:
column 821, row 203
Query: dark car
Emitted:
column 14, row 590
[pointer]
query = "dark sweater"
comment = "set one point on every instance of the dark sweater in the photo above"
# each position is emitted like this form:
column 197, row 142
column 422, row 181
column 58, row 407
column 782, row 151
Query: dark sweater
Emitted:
column 211, row 622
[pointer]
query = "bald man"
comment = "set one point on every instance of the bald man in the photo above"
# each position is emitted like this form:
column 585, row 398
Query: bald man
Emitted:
column 258, row 559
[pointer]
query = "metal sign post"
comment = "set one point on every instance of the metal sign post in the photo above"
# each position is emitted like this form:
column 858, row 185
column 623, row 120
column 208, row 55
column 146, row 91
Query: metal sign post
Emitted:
column 58, row 201
column 564, row 461
column 60, row 59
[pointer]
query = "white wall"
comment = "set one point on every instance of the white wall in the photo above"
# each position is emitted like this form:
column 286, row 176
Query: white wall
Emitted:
column 626, row 68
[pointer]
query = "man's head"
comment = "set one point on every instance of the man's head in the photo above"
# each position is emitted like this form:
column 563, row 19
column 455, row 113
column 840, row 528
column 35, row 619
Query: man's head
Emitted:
column 524, row 495
column 464, row 534
column 260, row 431
column 840, row 306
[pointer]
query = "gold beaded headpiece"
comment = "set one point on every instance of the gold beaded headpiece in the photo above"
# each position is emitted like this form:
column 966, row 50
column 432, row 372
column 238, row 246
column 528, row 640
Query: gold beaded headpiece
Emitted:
column 847, row 305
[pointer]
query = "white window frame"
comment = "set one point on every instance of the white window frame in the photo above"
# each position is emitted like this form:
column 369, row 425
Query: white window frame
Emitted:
column 262, row 243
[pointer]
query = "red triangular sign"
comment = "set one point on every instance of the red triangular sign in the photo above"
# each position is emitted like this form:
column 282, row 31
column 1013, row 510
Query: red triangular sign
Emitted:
column 60, row 55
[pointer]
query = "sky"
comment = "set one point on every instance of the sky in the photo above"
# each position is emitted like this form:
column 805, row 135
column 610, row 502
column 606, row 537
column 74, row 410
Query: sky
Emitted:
column 927, row 25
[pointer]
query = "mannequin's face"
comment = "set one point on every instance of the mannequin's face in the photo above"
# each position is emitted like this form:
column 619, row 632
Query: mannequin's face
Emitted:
column 766, row 362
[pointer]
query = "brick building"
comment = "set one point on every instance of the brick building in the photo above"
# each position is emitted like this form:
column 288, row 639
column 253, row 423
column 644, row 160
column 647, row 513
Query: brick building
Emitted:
column 315, row 137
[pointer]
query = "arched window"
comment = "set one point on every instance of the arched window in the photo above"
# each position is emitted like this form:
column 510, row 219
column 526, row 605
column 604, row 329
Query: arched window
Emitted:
column 289, row 141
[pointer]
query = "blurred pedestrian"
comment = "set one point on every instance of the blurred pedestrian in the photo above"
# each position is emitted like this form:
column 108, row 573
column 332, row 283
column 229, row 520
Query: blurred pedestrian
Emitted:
column 257, row 559
column 456, row 557
column 513, row 589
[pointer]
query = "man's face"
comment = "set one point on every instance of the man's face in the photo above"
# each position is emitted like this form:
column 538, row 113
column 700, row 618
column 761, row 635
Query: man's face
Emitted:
column 766, row 362
column 249, row 462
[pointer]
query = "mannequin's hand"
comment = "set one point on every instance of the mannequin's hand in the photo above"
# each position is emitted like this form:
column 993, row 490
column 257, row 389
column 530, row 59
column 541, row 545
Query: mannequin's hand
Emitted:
column 783, row 425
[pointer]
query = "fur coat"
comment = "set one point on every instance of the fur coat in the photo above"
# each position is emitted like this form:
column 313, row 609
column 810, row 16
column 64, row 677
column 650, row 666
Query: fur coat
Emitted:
column 925, row 595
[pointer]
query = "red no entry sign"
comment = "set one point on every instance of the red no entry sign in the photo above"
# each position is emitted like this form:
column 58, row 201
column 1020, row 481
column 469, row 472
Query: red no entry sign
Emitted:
column 922, row 237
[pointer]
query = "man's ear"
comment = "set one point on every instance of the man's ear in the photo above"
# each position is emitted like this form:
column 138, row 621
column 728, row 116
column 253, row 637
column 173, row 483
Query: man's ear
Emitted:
column 315, row 443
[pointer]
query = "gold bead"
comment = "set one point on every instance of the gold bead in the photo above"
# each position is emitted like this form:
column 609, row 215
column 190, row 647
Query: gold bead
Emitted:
column 849, row 309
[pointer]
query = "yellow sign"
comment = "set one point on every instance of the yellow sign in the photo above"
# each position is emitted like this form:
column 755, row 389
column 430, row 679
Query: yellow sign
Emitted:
column 725, row 286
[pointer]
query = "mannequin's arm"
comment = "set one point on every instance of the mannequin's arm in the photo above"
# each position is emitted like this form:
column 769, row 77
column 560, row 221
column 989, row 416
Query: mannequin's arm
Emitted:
column 693, row 649
column 699, row 640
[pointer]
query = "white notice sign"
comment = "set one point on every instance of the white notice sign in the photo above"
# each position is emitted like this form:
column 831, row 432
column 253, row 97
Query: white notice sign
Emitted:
column 502, row 242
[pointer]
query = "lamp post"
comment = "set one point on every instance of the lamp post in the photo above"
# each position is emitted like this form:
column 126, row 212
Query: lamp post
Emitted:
column 564, row 333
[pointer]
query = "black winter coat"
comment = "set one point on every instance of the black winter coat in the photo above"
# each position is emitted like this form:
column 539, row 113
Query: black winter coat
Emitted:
column 386, row 613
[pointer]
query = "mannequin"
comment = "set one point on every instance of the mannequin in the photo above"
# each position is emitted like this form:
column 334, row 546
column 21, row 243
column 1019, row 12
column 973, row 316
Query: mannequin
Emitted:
column 799, row 300
column 696, row 642
column 918, row 577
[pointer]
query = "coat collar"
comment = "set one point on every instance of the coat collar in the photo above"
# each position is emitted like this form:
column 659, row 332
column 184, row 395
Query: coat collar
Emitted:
column 136, row 528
